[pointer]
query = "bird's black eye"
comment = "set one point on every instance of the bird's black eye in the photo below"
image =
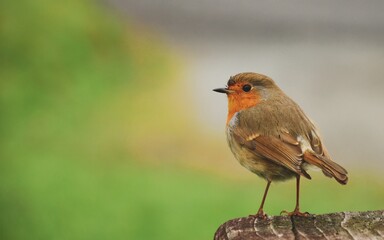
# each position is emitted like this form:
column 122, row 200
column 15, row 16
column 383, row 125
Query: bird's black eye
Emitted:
column 247, row 88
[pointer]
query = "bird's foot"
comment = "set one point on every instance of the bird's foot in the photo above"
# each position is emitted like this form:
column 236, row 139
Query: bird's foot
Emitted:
column 260, row 215
column 295, row 212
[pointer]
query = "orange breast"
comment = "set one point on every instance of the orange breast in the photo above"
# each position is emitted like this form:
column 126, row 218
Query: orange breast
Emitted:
column 238, row 102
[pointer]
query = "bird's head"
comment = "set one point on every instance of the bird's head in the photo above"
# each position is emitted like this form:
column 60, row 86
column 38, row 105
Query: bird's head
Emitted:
column 246, row 90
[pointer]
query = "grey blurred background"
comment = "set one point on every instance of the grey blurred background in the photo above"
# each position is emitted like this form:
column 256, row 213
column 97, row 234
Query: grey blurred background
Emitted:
column 327, row 55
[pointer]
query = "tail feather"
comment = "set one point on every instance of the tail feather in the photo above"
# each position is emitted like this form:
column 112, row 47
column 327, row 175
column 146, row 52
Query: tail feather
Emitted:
column 329, row 167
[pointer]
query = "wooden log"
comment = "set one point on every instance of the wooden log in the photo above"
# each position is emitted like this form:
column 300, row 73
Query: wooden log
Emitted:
column 342, row 225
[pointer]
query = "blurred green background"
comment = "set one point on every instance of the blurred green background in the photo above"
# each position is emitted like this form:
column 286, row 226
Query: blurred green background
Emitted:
column 98, row 140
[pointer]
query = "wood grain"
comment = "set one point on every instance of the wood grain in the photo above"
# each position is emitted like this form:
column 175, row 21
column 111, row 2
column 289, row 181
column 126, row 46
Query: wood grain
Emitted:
column 342, row 225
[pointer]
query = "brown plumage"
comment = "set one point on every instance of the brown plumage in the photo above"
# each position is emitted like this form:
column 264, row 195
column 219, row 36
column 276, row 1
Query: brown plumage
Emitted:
column 271, row 136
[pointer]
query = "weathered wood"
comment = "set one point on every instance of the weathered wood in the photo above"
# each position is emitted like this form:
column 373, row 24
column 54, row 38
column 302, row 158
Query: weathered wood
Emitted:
column 343, row 225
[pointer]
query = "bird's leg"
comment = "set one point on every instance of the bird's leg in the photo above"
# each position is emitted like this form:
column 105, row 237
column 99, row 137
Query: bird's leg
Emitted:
column 260, row 213
column 296, row 212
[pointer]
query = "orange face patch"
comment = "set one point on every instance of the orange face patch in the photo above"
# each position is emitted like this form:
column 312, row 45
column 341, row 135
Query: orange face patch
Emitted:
column 239, row 99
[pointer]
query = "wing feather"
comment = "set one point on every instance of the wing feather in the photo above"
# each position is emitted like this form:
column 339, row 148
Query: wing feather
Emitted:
column 284, row 150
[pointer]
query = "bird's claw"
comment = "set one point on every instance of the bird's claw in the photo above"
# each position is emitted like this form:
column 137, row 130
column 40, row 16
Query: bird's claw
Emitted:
column 260, row 215
column 296, row 212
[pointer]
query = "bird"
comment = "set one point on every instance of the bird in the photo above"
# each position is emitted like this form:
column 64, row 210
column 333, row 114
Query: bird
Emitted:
column 271, row 136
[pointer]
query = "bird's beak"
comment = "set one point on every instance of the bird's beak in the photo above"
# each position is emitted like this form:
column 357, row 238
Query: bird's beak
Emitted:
column 222, row 90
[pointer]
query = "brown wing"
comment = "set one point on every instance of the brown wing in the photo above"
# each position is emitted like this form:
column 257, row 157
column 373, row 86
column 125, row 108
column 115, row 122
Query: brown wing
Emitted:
column 320, row 158
column 283, row 149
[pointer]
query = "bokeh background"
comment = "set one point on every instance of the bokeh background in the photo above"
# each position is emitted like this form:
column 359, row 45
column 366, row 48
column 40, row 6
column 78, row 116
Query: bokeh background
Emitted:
column 110, row 129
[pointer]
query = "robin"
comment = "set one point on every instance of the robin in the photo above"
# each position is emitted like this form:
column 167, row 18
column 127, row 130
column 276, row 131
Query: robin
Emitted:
column 271, row 136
